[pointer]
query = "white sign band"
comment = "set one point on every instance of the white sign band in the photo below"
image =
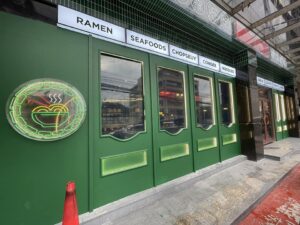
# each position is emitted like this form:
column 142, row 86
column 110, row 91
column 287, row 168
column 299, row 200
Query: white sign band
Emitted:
column 183, row 55
column 228, row 70
column 146, row 42
column 81, row 21
column 209, row 63
column 269, row 84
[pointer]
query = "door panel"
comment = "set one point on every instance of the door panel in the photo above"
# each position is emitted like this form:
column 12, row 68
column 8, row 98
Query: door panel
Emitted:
column 172, row 140
column 203, row 118
column 122, row 122
column 227, row 116
column 278, row 117
column 265, row 108
column 285, row 132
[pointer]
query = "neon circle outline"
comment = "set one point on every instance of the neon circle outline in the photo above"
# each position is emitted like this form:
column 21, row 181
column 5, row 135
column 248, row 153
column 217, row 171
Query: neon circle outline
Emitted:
column 56, row 110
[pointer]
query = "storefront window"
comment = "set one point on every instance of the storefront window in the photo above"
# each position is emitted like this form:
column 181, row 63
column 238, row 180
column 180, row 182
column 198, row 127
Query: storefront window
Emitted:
column 171, row 100
column 203, row 102
column 226, row 103
column 282, row 108
column 121, row 97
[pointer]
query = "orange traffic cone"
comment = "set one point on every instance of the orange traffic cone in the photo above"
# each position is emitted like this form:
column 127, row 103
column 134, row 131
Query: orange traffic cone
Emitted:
column 70, row 216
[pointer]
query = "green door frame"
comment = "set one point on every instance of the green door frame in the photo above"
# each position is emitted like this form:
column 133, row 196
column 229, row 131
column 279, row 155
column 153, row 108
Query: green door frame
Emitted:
column 172, row 151
column 117, row 161
column 154, row 156
column 280, row 123
column 285, row 132
column 205, row 140
column 229, row 136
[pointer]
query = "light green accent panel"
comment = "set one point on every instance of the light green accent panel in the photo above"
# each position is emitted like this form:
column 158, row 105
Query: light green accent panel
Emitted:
column 122, row 162
column 279, row 128
column 207, row 143
column 284, row 127
column 229, row 139
column 174, row 151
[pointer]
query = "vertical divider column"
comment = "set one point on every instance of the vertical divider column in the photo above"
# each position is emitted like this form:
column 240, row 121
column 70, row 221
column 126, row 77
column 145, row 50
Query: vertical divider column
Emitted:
column 248, row 104
column 90, row 125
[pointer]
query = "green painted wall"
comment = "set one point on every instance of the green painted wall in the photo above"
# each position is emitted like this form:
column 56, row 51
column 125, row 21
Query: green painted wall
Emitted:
column 34, row 174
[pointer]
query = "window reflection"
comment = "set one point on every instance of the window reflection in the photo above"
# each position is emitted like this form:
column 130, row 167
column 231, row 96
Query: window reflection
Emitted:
column 203, row 102
column 171, row 100
column 225, row 102
column 122, row 97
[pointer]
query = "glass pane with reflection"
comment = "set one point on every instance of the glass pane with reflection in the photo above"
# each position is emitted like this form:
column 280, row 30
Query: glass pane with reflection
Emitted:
column 225, row 102
column 203, row 102
column 171, row 100
column 121, row 97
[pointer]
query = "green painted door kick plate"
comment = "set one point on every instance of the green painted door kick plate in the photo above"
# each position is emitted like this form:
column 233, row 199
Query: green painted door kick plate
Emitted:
column 229, row 139
column 207, row 143
column 123, row 162
column 169, row 152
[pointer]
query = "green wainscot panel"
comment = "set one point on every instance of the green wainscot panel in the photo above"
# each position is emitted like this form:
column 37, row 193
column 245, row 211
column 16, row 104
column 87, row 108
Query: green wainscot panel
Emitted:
column 229, row 139
column 174, row 151
column 122, row 162
column 207, row 143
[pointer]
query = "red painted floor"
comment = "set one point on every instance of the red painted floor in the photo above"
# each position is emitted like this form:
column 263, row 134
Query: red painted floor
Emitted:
column 281, row 206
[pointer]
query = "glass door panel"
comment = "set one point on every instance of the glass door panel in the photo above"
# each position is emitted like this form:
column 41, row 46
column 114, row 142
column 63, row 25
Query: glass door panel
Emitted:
column 122, row 97
column 171, row 91
column 171, row 119
column 203, row 115
column 121, row 122
column 228, row 126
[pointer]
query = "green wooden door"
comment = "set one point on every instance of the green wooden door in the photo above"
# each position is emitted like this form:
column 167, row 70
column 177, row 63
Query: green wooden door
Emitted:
column 284, row 122
column 203, row 117
column 277, row 115
column 288, row 109
column 227, row 116
column 172, row 141
column 121, row 122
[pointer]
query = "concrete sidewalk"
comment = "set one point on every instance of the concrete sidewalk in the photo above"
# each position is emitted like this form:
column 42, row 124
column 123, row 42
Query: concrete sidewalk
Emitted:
column 220, row 198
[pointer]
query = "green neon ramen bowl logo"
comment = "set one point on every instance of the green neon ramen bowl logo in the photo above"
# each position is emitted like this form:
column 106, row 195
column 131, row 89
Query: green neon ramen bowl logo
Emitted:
column 46, row 109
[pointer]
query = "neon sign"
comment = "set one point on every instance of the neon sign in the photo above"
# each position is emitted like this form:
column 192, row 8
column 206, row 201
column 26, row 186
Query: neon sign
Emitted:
column 46, row 109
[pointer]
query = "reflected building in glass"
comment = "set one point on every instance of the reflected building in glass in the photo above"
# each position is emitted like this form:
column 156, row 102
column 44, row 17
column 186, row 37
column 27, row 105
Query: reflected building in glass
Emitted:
column 122, row 97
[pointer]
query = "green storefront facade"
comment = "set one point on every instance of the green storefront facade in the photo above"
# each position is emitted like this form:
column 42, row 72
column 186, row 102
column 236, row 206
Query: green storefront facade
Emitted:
column 180, row 118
